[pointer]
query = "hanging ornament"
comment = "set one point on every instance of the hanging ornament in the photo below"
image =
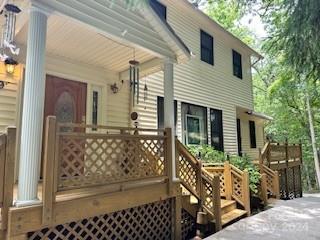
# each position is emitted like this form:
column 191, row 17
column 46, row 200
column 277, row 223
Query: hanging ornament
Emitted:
column 8, row 31
column 145, row 93
column 134, row 80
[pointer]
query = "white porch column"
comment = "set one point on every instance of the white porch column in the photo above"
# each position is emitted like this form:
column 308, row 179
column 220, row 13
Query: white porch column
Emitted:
column 33, row 109
column 169, row 107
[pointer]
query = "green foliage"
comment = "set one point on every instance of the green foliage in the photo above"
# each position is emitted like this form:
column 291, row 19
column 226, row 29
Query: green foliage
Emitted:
column 209, row 155
column 290, row 69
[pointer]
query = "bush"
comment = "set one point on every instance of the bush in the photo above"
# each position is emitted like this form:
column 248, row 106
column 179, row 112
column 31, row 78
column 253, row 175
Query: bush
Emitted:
column 209, row 155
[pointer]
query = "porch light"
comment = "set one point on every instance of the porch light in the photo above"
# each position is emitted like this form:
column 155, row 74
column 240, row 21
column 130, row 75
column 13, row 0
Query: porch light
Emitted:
column 2, row 84
column 10, row 65
column 134, row 73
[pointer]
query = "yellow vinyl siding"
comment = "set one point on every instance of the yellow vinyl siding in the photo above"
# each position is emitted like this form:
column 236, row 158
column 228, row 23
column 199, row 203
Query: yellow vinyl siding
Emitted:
column 9, row 97
column 253, row 153
column 200, row 83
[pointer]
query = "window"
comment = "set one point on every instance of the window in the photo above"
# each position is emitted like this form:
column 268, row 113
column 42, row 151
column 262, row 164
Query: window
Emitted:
column 206, row 47
column 237, row 64
column 194, row 124
column 159, row 8
column 216, row 129
column 253, row 140
column 95, row 102
column 96, row 107
column 160, row 109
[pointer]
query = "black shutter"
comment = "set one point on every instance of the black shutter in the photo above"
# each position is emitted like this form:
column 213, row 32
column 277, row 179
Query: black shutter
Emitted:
column 160, row 110
column 253, row 140
column 216, row 129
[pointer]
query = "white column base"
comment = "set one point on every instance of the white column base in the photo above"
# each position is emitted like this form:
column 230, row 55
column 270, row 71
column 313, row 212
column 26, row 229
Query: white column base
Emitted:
column 27, row 203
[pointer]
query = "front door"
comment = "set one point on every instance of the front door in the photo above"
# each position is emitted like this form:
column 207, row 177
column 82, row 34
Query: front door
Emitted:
column 239, row 137
column 65, row 99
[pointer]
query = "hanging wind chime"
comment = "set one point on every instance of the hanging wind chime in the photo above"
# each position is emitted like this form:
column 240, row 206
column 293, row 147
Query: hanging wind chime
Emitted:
column 145, row 93
column 8, row 32
column 134, row 73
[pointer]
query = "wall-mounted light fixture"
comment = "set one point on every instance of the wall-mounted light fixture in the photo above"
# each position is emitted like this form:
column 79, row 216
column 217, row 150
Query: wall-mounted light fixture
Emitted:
column 115, row 87
column 10, row 65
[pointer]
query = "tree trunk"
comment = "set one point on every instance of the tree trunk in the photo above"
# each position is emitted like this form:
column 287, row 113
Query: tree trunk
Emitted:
column 313, row 138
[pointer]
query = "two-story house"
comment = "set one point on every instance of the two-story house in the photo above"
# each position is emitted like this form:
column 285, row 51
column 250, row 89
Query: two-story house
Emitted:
column 213, row 91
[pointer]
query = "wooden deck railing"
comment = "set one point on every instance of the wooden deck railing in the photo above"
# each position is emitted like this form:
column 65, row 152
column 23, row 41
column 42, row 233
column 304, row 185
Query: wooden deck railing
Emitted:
column 234, row 183
column 7, row 166
column 280, row 168
column 75, row 158
column 200, row 183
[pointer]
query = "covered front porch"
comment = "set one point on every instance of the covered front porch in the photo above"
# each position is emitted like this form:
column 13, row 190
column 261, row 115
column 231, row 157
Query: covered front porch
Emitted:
column 76, row 142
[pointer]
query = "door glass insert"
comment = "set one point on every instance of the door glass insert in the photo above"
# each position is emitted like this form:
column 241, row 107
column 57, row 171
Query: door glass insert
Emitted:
column 64, row 109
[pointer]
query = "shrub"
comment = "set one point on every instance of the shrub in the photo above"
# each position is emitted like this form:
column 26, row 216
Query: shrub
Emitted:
column 209, row 155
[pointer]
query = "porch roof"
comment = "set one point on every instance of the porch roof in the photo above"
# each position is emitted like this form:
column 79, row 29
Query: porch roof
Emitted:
column 252, row 113
column 137, row 27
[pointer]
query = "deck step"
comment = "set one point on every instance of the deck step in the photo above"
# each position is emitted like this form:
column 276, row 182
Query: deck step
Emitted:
column 227, row 206
column 232, row 215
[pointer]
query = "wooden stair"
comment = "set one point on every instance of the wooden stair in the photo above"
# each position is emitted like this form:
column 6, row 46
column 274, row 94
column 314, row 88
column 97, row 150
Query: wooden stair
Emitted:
column 229, row 210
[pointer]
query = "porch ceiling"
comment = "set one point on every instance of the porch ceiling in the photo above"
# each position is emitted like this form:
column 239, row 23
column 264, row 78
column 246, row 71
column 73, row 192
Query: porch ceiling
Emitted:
column 69, row 39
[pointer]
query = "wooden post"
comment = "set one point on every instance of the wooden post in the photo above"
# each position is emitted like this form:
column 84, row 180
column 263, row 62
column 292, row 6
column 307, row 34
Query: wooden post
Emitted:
column 48, row 196
column 8, row 175
column 3, row 143
column 168, row 133
column 301, row 164
column 246, row 192
column 19, row 237
column 260, row 162
column 276, row 185
column 217, row 203
column 199, row 184
column 264, row 189
column 286, row 170
column 227, row 180
column 177, row 159
column 177, row 216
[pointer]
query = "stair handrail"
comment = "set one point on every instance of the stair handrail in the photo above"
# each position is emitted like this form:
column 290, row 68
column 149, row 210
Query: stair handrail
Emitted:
column 230, row 178
column 207, row 187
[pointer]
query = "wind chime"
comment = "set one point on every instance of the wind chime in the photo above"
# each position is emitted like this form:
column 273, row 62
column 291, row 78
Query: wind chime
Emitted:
column 145, row 93
column 134, row 73
column 8, row 32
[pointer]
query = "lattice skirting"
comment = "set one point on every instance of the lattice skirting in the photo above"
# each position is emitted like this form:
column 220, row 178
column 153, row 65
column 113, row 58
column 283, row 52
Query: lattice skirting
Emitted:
column 188, row 225
column 151, row 221
column 290, row 183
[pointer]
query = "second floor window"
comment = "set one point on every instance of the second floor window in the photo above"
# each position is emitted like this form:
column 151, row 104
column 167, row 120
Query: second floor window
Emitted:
column 206, row 47
column 159, row 8
column 237, row 64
